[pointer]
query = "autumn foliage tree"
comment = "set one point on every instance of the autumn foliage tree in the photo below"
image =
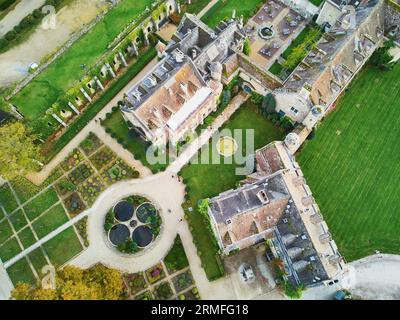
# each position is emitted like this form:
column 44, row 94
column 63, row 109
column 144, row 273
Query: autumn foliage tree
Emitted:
column 19, row 154
column 72, row 283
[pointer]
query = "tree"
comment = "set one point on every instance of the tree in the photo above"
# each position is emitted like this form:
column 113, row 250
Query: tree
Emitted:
column 381, row 57
column 96, row 283
column 268, row 104
column 246, row 47
column 19, row 154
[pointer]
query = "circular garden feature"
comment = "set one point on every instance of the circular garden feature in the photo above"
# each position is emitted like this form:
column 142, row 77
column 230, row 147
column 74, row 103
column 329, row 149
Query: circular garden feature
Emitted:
column 130, row 230
column 119, row 234
column 226, row 146
column 123, row 211
column 142, row 236
column 266, row 32
column 145, row 211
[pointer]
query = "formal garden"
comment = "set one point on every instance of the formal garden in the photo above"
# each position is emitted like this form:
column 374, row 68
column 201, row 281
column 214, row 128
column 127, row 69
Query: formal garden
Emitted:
column 29, row 212
column 132, row 224
column 352, row 165
column 169, row 279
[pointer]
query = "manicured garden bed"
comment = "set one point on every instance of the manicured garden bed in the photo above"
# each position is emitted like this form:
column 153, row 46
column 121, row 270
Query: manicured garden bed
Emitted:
column 163, row 291
column 155, row 273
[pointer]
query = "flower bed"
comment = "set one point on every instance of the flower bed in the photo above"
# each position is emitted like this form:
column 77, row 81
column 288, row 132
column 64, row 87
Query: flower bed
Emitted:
column 90, row 189
column 155, row 273
column 145, row 296
column 105, row 155
column 75, row 158
column 91, row 144
column 81, row 227
column 192, row 294
column 81, row 173
column 118, row 171
column 74, row 204
column 64, row 187
column 135, row 282
column 163, row 291
column 183, row 281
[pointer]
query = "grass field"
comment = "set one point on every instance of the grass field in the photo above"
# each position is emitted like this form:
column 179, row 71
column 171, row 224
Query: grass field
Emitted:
column 21, row 272
column 208, row 180
column 353, row 166
column 50, row 221
column 9, row 249
column 223, row 10
column 41, row 203
column 45, row 89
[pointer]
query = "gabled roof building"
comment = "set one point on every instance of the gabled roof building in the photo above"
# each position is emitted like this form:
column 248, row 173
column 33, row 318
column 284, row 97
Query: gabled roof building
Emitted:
column 276, row 204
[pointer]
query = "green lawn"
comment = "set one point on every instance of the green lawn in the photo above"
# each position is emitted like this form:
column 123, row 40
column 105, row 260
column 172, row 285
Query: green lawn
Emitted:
column 176, row 258
column 9, row 249
column 24, row 188
column 208, row 180
column 276, row 69
column 50, row 221
column 137, row 147
column 38, row 260
column 5, row 231
column 353, row 166
column 18, row 220
column 296, row 42
column 21, row 272
column 7, row 199
column 27, row 238
column 63, row 247
column 316, row 2
column 45, row 89
column 223, row 10
column 41, row 203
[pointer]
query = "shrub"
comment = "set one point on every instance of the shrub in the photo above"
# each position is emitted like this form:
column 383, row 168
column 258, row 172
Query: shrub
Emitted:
column 246, row 47
column 10, row 35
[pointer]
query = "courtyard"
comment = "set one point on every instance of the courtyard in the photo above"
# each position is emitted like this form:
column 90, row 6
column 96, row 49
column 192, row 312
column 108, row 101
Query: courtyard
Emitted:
column 353, row 168
column 197, row 179
column 283, row 25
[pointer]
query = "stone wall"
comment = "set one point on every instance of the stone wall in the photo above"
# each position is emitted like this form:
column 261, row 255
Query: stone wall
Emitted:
column 267, row 79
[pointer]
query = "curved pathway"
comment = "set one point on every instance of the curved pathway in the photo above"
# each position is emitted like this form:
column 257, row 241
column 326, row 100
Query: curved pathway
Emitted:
column 165, row 192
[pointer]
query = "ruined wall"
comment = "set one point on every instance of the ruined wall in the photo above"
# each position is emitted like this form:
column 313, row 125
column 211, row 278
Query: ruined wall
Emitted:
column 267, row 79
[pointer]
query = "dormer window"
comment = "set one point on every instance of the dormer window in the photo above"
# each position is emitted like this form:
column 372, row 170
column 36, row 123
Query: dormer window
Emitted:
column 263, row 197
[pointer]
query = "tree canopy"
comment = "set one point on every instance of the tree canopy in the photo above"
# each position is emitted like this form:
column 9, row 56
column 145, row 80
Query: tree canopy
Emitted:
column 381, row 57
column 19, row 154
column 72, row 283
